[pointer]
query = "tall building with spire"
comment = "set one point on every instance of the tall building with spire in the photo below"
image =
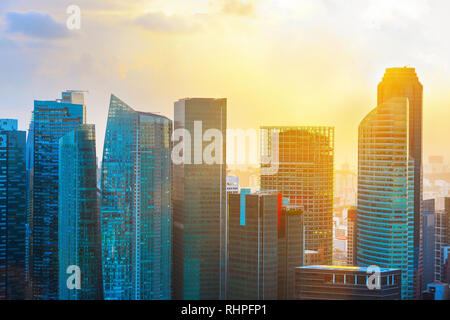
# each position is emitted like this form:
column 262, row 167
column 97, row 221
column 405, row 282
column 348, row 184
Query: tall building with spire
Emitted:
column 403, row 82
column 136, row 208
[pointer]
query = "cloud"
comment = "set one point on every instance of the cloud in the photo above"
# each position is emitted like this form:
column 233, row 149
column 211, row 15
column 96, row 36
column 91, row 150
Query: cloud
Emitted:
column 158, row 21
column 35, row 25
column 238, row 7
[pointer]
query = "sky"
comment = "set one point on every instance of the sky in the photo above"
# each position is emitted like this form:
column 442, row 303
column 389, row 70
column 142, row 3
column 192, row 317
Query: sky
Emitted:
column 278, row 62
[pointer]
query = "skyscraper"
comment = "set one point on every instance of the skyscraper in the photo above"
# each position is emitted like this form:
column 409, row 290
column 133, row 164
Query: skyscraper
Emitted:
column 51, row 120
column 13, row 208
column 403, row 82
column 79, row 215
column 136, row 209
column 386, row 192
column 199, row 200
column 252, row 246
column 305, row 176
column 290, row 249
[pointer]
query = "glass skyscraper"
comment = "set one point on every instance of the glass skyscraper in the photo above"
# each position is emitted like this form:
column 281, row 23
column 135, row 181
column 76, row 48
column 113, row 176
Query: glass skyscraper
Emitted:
column 305, row 176
column 136, row 210
column 79, row 215
column 13, row 208
column 199, row 200
column 385, row 231
column 290, row 249
column 51, row 120
column 403, row 82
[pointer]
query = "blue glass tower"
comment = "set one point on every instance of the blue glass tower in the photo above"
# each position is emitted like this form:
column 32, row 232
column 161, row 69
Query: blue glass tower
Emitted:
column 136, row 210
column 385, row 231
column 13, row 207
column 51, row 120
column 79, row 215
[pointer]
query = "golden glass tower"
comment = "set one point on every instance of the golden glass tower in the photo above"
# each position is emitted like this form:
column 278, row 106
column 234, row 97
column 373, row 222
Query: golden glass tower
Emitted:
column 404, row 83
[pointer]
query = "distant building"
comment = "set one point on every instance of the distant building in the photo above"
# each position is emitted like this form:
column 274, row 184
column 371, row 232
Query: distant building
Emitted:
column 252, row 246
column 232, row 184
column 346, row 183
column 437, row 291
column 79, row 215
column 429, row 242
column 290, row 249
column 345, row 283
column 50, row 121
column 13, row 209
column 442, row 235
column 305, row 175
column 314, row 257
column 352, row 215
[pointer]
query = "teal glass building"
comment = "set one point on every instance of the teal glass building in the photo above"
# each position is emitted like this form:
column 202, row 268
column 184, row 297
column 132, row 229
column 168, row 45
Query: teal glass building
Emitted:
column 136, row 210
column 13, row 208
column 50, row 121
column 385, row 231
column 79, row 215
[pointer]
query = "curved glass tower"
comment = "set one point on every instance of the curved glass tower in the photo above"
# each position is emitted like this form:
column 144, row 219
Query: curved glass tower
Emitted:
column 386, row 192
column 136, row 210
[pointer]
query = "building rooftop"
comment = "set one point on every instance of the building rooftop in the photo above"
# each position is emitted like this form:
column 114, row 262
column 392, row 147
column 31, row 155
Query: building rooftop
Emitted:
column 343, row 268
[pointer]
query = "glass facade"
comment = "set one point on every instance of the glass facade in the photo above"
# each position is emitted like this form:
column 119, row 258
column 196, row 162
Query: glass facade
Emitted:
column 403, row 82
column 305, row 176
column 79, row 215
column 385, row 231
column 51, row 120
column 136, row 210
column 199, row 200
column 253, row 247
column 290, row 250
column 13, row 207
